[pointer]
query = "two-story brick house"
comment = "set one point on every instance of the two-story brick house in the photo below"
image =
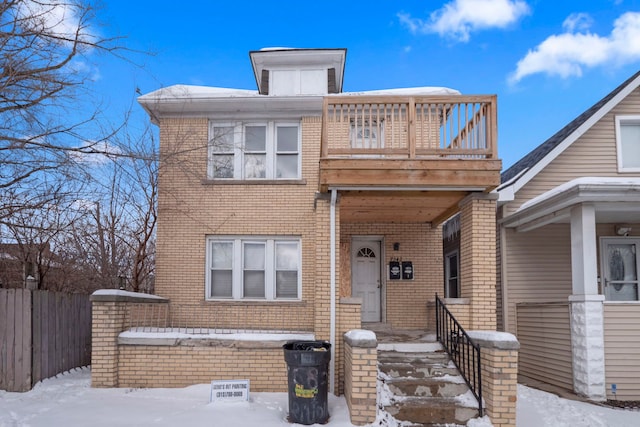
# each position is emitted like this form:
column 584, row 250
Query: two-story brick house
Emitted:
column 299, row 207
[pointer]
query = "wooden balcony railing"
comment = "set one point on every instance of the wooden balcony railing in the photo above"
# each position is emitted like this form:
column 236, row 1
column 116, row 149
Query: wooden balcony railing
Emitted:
column 417, row 127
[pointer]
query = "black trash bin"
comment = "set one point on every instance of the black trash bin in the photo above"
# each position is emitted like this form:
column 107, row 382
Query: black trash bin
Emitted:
column 307, row 373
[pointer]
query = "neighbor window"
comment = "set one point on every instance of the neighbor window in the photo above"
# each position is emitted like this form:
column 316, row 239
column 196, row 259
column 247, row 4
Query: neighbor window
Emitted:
column 628, row 143
column 254, row 151
column 253, row 269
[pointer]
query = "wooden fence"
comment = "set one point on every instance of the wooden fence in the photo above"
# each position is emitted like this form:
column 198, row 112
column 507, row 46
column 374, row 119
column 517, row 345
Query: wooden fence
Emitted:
column 42, row 333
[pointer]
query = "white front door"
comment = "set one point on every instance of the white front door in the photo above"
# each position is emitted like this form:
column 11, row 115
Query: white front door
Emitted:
column 365, row 277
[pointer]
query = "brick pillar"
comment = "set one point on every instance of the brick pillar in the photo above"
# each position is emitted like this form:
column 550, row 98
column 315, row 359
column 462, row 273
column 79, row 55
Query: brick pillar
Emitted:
column 107, row 321
column 361, row 372
column 349, row 318
column 499, row 364
column 110, row 317
column 478, row 258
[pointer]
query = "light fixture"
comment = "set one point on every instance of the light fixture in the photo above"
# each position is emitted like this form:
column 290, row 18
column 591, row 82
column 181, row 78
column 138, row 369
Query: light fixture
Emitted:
column 622, row 229
column 396, row 246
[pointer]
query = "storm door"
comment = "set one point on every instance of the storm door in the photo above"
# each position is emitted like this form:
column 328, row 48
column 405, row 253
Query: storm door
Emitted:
column 620, row 265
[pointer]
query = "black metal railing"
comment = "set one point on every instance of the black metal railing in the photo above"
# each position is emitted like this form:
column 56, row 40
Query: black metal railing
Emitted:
column 463, row 351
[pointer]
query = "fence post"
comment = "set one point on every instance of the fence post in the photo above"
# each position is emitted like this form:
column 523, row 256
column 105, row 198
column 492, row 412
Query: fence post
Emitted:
column 499, row 361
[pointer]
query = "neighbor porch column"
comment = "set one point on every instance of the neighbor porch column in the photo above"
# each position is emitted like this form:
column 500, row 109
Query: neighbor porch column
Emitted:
column 478, row 258
column 587, row 307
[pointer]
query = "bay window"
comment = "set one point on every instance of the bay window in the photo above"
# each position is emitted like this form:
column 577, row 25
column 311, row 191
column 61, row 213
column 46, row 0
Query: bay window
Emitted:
column 253, row 269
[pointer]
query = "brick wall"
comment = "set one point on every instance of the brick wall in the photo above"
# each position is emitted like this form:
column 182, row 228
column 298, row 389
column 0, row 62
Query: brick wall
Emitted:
column 202, row 362
column 190, row 208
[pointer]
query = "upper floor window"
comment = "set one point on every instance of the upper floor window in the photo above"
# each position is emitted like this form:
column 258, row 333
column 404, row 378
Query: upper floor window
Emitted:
column 253, row 268
column 365, row 133
column 628, row 143
column 262, row 150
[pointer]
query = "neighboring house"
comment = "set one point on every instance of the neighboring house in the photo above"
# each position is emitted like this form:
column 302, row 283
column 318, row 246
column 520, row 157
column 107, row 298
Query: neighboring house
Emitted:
column 21, row 265
column 287, row 209
column 569, row 233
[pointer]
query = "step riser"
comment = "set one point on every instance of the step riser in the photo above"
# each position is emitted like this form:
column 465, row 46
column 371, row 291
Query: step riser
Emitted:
column 444, row 389
column 432, row 415
column 416, row 372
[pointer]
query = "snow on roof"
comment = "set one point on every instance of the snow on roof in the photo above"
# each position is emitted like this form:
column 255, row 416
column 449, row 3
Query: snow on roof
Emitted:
column 196, row 92
column 419, row 90
column 209, row 92
column 586, row 181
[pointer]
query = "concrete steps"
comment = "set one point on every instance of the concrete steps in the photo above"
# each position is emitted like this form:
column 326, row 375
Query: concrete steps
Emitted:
column 420, row 386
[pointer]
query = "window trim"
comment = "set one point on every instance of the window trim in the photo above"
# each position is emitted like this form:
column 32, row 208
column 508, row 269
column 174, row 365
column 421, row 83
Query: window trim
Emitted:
column 271, row 146
column 237, row 269
column 619, row 121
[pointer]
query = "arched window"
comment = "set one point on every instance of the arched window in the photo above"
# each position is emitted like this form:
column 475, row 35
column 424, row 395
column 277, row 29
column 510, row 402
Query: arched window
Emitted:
column 366, row 253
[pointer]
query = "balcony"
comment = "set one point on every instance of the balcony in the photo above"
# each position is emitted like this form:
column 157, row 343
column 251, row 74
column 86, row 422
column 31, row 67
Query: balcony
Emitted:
column 445, row 146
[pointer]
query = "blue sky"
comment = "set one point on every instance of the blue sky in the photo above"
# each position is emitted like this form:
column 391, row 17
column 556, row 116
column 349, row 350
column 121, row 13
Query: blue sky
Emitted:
column 547, row 60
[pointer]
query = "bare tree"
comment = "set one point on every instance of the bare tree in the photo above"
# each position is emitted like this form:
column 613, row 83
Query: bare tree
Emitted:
column 44, row 119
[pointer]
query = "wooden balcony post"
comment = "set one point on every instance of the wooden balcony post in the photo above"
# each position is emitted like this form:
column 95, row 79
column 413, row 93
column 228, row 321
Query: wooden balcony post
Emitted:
column 324, row 137
column 493, row 122
column 411, row 127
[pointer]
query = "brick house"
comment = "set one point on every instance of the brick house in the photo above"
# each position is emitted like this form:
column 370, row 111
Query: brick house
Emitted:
column 298, row 208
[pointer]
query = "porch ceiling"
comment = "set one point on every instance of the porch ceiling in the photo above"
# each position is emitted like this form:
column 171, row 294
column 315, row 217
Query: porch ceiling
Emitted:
column 398, row 206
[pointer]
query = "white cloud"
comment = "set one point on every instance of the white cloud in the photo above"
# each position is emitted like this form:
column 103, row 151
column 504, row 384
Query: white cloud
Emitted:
column 459, row 18
column 97, row 154
column 577, row 21
column 56, row 18
column 567, row 54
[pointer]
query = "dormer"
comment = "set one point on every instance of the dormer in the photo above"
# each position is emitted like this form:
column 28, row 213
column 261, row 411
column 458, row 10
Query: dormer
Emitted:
column 288, row 71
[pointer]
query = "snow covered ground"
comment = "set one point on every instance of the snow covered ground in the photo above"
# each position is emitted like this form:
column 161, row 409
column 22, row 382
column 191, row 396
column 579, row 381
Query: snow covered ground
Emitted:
column 68, row 400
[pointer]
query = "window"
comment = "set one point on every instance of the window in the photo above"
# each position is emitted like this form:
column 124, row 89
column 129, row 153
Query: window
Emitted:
column 620, row 267
column 253, row 269
column 367, row 133
column 451, row 268
column 254, row 151
column 628, row 143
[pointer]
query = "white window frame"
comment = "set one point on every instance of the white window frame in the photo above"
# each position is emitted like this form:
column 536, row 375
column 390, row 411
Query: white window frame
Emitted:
column 620, row 121
column 271, row 155
column 447, row 273
column 604, row 268
column 237, row 288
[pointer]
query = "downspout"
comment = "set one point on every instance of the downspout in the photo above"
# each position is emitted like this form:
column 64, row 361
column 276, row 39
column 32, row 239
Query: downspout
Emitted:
column 332, row 261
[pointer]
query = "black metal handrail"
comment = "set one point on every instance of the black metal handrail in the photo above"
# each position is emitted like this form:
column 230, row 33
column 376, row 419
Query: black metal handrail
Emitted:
column 463, row 351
